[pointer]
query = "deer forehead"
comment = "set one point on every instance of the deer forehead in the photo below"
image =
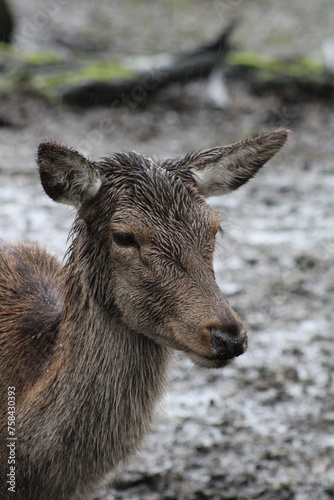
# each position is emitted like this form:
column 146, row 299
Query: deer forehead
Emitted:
column 156, row 199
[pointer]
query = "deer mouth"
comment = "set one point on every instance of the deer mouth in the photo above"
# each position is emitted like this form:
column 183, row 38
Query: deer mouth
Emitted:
column 210, row 362
column 226, row 350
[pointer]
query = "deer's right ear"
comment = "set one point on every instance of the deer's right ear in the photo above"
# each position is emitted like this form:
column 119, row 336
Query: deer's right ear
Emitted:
column 66, row 176
column 223, row 169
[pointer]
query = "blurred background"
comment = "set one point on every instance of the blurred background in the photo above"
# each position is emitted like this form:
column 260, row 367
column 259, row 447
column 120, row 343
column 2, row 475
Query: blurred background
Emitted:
column 263, row 428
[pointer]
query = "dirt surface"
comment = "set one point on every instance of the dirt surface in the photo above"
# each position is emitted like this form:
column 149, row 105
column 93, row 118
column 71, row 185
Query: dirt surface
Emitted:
column 263, row 428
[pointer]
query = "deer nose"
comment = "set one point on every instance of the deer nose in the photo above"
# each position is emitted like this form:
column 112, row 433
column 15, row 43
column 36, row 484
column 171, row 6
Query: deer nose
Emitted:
column 229, row 343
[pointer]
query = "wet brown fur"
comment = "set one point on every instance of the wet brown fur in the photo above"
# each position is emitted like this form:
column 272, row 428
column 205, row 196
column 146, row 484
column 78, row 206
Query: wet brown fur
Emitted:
column 87, row 345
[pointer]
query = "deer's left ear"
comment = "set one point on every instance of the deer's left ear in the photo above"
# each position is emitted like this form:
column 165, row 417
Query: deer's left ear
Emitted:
column 66, row 176
column 223, row 169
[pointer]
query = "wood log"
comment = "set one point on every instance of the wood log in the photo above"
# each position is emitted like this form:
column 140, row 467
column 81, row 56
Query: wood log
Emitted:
column 143, row 85
column 292, row 80
column 88, row 82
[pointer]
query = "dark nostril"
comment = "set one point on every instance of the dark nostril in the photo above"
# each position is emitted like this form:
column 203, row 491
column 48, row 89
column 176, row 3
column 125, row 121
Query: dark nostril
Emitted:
column 218, row 339
column 228, row 345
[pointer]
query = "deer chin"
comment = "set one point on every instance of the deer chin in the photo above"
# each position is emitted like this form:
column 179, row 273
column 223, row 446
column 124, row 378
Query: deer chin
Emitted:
column 207, row 362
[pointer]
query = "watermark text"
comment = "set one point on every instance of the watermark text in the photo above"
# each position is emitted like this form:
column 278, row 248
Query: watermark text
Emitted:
column 11, row 440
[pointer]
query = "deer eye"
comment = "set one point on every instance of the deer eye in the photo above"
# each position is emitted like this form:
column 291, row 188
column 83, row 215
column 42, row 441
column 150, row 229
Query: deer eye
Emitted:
column 125, row 240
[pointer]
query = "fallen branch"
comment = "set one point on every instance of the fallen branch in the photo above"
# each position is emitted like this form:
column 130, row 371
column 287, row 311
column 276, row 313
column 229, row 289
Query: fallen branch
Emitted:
column 192, row 65
column 102, row 81
column 293, row 80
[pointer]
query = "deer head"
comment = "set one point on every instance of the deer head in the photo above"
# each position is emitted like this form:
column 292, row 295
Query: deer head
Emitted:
column 145, row 239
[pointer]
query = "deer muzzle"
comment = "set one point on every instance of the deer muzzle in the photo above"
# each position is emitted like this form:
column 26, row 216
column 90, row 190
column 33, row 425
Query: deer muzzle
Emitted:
column 227, row 345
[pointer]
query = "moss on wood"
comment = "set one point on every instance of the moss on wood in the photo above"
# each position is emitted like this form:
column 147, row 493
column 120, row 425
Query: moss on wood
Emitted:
column 47, row 75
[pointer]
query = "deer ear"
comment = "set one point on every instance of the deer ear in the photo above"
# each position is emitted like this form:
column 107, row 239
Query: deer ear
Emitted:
column 66, row 176
column 223, row 169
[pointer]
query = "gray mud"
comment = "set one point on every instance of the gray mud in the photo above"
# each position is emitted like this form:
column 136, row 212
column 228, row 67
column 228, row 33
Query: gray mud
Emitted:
column 263, row 428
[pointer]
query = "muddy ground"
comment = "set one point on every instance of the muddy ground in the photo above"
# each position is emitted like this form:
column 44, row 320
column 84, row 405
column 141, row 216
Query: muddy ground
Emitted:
column 263, row 428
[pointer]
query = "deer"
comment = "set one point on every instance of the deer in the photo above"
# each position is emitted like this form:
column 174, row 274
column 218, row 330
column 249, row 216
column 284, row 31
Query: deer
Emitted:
column 85, row 345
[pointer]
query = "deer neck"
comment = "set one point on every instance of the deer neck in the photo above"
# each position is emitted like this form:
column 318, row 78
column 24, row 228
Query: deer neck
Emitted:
column 100, row 389
column 113, row 374
column 100, row 351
